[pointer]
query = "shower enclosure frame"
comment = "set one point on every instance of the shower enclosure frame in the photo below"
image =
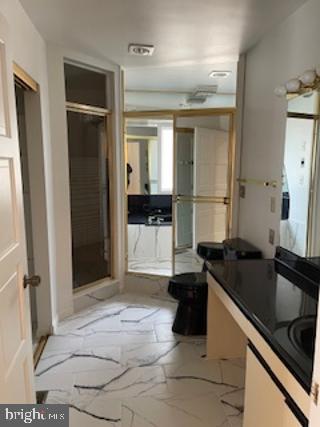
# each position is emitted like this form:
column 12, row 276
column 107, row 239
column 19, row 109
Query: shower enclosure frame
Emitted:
column 108, row 116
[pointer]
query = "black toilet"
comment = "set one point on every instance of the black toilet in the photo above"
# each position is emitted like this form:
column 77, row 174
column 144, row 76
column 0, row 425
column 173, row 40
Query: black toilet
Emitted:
column 191, row 290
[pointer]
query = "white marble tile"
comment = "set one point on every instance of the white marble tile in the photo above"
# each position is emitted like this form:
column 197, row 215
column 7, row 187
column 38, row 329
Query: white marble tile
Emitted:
column 204, row 411
column 80, row 360
column 90, row 412
column 119, row 364
column 233, row 405
column 164, row 333
column 121, row 382
column 121, row 337
column 54, row 382
column 195, row 378
column 232, row 373
column 161, row 353
column 138, row 314
column 146, row 285
column 83, row 419
column 60, row 343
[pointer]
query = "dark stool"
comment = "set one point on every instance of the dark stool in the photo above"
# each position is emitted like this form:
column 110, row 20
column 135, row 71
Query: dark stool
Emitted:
column 209, row 251
column 191, row 290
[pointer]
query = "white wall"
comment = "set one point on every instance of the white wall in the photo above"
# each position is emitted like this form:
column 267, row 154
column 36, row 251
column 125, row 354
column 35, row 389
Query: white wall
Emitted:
column 45, row 65
column 284, row 53
column 62, row 220
column 29, row 52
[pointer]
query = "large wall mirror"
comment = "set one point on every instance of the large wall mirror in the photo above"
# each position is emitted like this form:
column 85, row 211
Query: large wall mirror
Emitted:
column 300, row 225
column 178, row 179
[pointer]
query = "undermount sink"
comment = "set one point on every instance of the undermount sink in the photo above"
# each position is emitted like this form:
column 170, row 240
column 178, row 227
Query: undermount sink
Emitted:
column 302, row 334
column 159, row 219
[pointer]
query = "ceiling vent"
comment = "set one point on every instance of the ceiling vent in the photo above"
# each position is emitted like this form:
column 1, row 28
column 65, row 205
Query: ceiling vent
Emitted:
column 201, row 94
column 140, row 49
column 219, row 74
column 196, row 99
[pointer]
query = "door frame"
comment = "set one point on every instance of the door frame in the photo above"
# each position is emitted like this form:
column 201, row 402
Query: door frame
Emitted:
column 37, row 197
column 16, row 365
column 231, row 194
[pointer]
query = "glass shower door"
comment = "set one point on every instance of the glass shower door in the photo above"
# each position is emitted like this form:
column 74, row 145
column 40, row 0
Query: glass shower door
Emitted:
column 89, row 198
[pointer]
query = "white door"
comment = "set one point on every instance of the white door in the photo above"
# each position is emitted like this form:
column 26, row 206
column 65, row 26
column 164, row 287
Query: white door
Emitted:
column 314, row 420
column 210, row 179
column 16, row 366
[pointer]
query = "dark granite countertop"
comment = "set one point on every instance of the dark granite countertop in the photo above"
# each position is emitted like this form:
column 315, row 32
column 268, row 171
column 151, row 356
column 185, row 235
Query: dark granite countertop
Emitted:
column 280, row 303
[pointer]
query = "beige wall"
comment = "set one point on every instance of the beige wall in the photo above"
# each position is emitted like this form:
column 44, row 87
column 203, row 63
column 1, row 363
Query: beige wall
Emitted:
column 284, row 53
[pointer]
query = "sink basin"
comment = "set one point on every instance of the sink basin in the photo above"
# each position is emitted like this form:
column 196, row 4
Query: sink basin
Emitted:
column 302, row 334
column 159, row 219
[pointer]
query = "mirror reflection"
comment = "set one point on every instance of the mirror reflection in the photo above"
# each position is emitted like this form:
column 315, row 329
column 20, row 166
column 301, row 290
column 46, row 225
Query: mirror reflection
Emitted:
column 202, row 168
column 149, row 157
column 177, row 189
column 149, row 164
column 299, row 179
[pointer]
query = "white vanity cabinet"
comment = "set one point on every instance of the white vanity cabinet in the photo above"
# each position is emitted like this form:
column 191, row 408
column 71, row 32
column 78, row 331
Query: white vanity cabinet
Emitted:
column 273, row 395
column 265, row 404
column 149, row 242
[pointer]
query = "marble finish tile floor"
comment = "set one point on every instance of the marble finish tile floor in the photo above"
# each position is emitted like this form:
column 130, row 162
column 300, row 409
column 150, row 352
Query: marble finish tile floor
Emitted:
column 118, row 364
column 185, row 261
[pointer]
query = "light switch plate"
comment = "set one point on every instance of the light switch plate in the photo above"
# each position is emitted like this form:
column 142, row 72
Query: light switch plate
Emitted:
column 273, row 204
column 271, row 236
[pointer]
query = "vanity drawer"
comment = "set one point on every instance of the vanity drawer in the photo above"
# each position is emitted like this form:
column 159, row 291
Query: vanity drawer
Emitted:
column 266, row 402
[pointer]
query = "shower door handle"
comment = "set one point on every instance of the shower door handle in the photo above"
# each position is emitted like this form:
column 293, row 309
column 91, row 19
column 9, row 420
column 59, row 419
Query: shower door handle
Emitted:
column 33, row 281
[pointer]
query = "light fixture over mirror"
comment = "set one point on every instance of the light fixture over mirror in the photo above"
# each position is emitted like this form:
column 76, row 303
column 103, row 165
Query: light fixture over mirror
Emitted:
column 307, row 82
column 308, row 77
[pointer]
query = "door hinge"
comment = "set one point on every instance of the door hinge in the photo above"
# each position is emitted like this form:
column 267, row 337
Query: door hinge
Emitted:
column 315, row 393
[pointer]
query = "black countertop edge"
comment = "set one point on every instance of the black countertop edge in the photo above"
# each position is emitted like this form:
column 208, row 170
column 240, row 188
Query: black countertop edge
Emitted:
column 296, row 371
column 304, row 282
column 288, row 399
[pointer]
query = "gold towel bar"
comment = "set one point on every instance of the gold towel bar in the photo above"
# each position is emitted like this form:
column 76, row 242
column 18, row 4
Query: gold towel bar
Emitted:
column 271, row 183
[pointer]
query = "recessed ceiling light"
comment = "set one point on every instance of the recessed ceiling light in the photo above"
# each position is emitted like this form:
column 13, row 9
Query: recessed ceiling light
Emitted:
column 219, row 74
column 140, row 49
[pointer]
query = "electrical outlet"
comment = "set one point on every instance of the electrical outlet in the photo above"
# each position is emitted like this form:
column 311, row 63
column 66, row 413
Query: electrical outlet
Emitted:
column 273, row 204
column 242, row 191
column 271, row 236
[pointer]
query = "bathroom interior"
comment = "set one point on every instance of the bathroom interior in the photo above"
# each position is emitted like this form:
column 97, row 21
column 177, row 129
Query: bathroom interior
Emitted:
column 160, row 204
column 188, row 274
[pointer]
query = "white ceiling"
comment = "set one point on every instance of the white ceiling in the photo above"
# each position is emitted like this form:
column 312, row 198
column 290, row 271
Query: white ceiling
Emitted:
column 183, row 31
column 182, row 78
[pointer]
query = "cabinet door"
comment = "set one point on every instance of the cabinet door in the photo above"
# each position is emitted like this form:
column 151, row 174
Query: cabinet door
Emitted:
column 265, row 405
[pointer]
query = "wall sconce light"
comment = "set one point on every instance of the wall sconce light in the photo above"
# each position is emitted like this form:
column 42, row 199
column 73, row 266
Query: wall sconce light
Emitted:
column 308, row 81
column 293, row 85
column 308, row 77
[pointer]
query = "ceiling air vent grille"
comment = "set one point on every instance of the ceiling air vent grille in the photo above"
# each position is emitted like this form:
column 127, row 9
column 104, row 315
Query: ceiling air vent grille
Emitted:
column 141, row 49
